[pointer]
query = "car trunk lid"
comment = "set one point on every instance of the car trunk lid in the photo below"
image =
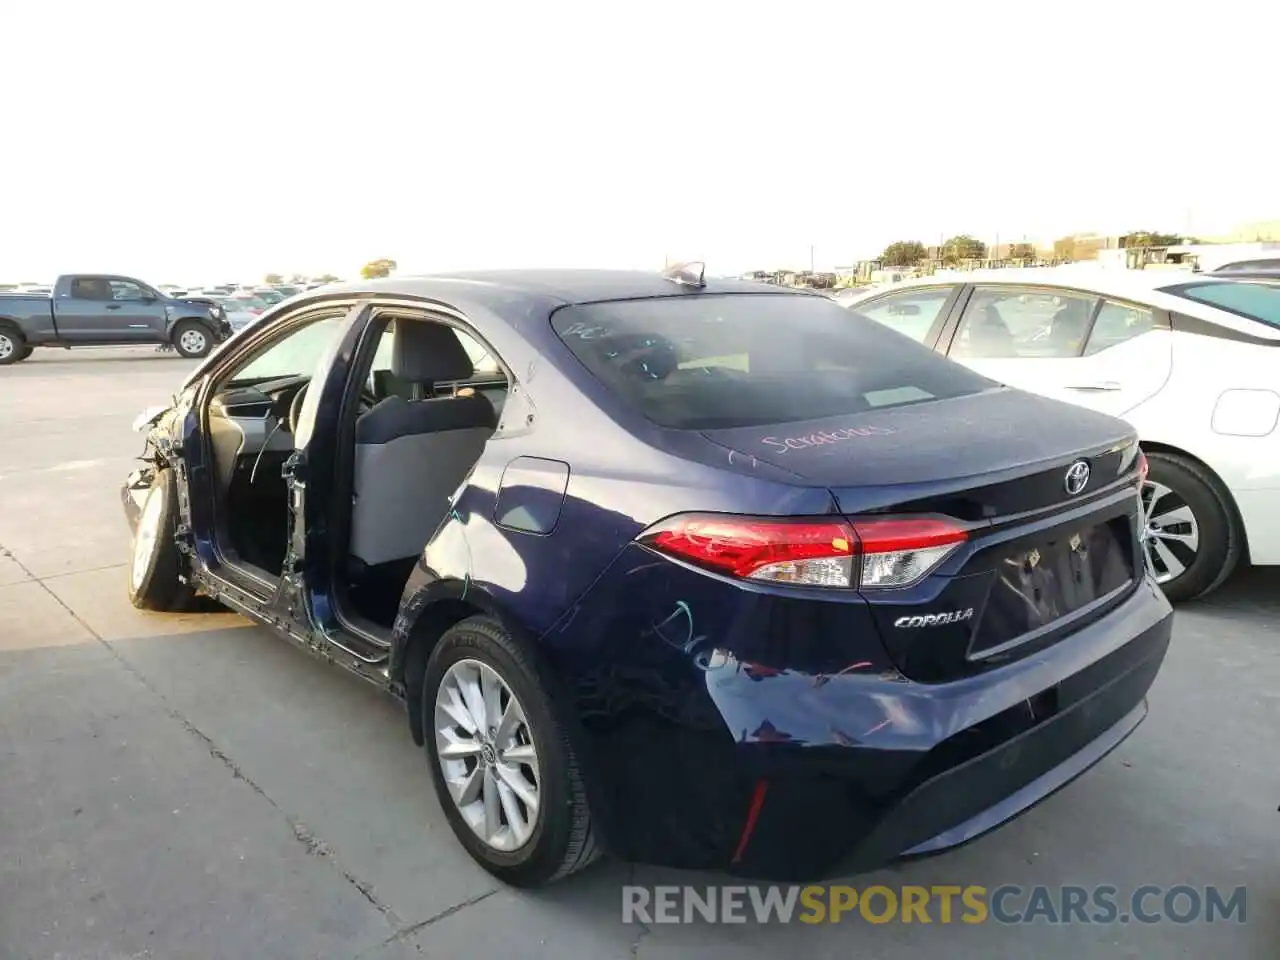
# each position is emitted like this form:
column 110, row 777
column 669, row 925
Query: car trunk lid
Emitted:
column 1044, row 554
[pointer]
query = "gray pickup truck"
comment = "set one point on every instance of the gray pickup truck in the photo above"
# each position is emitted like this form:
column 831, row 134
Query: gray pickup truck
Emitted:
column 96, row 310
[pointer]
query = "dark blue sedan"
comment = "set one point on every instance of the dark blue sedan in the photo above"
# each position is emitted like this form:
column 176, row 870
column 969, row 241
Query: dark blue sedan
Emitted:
column 705, row 573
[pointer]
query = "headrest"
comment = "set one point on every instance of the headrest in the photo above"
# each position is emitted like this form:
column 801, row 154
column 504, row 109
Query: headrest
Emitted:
column 427, row 353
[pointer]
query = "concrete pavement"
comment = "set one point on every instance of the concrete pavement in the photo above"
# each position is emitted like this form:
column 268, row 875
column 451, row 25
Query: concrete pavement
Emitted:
column 190, row 786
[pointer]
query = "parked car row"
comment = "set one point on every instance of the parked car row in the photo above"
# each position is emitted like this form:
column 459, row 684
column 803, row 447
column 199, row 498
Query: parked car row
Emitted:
column 1188, row 359
column 708, row 573
column 266, row 294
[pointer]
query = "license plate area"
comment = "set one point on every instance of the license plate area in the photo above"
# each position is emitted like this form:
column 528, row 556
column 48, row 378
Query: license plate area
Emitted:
column 1051, row 578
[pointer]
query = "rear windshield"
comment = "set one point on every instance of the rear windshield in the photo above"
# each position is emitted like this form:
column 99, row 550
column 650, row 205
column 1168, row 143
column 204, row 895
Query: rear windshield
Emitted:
column 703, row 362
column 1257, row 301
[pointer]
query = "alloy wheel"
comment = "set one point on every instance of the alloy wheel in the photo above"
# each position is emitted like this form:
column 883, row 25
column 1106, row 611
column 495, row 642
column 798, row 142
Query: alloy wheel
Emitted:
column 487, row 755
column 145, row 538
column 1171, row 532
column 192, row 341
column 7, row 347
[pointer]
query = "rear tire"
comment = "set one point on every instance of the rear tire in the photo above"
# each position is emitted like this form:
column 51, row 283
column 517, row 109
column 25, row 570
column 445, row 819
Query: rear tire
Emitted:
column 1192, row 540
column 155, row 563
column 192, row 339
column 13, row 346
column 560, row 837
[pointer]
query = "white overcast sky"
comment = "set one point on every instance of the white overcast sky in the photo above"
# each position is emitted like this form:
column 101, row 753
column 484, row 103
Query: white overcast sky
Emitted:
column 192, row 141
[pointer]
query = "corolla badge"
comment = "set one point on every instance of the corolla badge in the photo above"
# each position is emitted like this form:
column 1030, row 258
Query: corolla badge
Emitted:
column 1077, row 477
column 934, row 619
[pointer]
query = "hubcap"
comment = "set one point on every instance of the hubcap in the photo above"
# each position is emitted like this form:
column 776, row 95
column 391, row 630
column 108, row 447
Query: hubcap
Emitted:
column 144, row 540
column 1171, row 535
column 192, row 341
column 487, row 755
column 6, row 347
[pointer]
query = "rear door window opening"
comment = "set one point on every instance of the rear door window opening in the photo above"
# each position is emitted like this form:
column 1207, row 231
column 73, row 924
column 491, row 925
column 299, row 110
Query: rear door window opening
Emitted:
column 430, row 397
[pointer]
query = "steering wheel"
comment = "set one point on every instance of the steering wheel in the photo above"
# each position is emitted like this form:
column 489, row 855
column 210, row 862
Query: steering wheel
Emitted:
column 367, row 401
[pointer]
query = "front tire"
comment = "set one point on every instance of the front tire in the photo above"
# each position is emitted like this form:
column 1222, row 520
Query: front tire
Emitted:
column 192, row 339
column 13, row 347
column 154, row 566
column 502, row 762
column 1192, row 539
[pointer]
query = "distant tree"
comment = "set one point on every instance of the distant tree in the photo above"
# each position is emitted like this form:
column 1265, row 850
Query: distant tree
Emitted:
column 1148, row 238
column 903, row 253
column 1064, row 248
column 326, row 278
column 272, row 279
column 963, row 247
column 1022, row 251
column 378, row 268
column 298, row 278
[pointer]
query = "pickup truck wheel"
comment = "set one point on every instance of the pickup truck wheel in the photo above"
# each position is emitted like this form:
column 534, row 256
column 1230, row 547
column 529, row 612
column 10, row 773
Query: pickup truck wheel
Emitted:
column 12, row 347
column 192, row 339
column 502, row 761
column 154, row 581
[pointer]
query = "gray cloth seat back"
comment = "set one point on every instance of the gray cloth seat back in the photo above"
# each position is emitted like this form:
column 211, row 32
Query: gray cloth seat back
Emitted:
column 411, row 455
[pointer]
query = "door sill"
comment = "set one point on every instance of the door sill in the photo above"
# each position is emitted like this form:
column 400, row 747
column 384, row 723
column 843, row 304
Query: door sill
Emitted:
column 246, row 576
column 363, row 630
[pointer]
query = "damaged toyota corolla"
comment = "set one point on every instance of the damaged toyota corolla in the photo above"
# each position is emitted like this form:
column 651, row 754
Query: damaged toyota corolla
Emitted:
column 697, row 572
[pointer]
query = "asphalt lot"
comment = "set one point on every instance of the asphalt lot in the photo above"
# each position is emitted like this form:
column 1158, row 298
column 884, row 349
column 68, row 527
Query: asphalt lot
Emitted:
column 190, row 786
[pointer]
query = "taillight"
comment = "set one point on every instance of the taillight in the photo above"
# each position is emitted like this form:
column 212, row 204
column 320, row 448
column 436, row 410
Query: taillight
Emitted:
column 902, row 551
column 872, row 553
column 810, row 552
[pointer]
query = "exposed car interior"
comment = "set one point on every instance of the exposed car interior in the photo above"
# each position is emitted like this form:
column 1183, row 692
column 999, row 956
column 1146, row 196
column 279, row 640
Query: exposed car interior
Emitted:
column 1016, row 323
column 431, row 399
column 413, row 449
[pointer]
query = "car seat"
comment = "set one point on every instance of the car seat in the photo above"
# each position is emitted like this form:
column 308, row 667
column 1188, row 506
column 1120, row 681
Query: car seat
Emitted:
column 989, row 335
column 412, row 453
column 1069, row 326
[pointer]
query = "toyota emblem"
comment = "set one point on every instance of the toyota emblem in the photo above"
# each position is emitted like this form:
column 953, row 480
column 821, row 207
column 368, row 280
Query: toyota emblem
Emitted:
column 1077, row 477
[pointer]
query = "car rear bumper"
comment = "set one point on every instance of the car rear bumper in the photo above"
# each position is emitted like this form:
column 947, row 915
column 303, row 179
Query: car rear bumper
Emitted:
column 845, row 773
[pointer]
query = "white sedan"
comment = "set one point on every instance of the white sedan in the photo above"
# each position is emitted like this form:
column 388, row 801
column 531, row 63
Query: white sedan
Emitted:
column 1193, row 362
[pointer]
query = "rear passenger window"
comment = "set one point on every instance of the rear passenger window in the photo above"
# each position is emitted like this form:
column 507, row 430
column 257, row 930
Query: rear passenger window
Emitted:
column 910, row 312
column 90, row 288
column 1116, row 323
column 708, row 361
column 484, row 362
column 1002, row 322
column 383, row 383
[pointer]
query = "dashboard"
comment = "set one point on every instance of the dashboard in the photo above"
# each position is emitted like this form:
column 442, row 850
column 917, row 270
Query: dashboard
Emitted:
column 245, row 421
